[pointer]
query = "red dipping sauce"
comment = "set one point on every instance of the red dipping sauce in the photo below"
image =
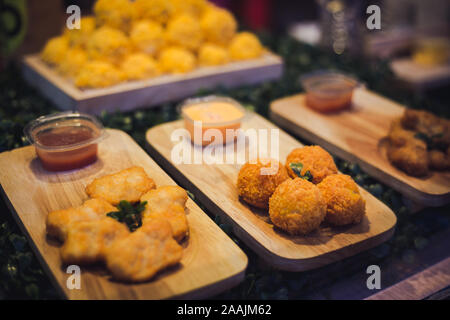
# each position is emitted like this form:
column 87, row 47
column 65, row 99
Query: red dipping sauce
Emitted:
column 65, row 141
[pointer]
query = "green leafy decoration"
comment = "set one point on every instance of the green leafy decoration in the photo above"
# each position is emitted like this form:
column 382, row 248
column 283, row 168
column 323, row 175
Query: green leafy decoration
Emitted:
column 297, row 168
column 129, row 214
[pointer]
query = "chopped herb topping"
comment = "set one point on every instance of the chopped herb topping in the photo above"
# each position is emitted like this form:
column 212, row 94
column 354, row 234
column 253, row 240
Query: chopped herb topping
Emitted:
column 129, row 214
column 297, row 168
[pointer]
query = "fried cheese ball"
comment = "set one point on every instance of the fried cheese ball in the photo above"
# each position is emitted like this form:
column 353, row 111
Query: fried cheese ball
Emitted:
column 192, row 7
column 344, row 202
column 156, row 10
column 79, row 37
column 139, row 66
column 256, row 188
column 211, row 54
column 245, row 45
column 117, row 14
column 313, row 159
column 108, row 44
column 184, row 31
column 147, row 36
column 87, row 241
column 59, row 222
column 98, row 74
column 73, row 62
column 411, row 159
column 176, row 60
column 129, row 184
column 55, row 50
column 218, row 25
column 140, row 255
column 297, row 207
column 167, row 202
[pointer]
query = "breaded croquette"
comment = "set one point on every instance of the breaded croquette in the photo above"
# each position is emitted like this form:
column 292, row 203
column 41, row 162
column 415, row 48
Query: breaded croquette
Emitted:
column 59, row 222
column 399, row 136
column 344, row 203
column 438, row 160
column 167, row 202
column 87, row 240
column 297, row 206
column 314, row 159
column 409, row 158
column 255, row 186
column 140, row 255
column 129, row 184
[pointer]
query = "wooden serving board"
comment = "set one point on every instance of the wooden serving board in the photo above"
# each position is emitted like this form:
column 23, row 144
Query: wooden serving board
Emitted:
column 134, row 94
column 211, row 261
column 215, row 186
column 421, row 77
column 359, row 135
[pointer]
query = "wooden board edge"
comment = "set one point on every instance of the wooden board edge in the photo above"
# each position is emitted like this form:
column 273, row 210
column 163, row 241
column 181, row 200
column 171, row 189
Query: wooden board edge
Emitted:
column 418, row 196
column 273, row 259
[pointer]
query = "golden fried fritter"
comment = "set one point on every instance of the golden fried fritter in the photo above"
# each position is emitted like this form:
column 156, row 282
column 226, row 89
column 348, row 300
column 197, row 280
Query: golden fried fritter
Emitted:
column 344, row 203
column 167, row 202
column 255, row 186
column 58, row 222
column 313, row 159
column 129, row 184
column 140, row 255
column 409, row 158
column 399, row 137
column 438, row 160
column 297, row 206
column 87, row 240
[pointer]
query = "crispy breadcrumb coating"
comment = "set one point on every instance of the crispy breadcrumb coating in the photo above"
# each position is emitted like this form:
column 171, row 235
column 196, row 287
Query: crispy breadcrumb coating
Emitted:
column 87, row 241
column 297, row 207
column 176, row 60
column 245, row 45
column 184, row 31
column 98, row 74
column 129, row 184
column 140, row 255
column 344, row 202
column 59, row 222
column 139, row 66
column 115, row 13
column 55, row 50
column 156, row 10
column 211, row 54
column 218, row 25
column 79, row 37
column 73, row 62
column 108, row 44
column 314, row 159
column 256, row 188
column 192, row 7
column 147, row 36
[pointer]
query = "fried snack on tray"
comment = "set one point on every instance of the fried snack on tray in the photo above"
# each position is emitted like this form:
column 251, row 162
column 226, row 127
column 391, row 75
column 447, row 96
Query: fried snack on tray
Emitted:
column 87, row 240
column 344, row 202
column 297, row 207
column 59, row 222
column 140, row 255
column 167, row 202
column 255, row 186
column 314, row 159
column 129, row 184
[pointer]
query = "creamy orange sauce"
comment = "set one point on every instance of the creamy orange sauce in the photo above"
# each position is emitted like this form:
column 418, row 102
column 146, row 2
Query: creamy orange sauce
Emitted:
column 213, row 112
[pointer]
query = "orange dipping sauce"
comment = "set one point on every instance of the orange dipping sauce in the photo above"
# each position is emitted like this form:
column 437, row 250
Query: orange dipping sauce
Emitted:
column 328, row 91
column 65, row 141
column 219, row 113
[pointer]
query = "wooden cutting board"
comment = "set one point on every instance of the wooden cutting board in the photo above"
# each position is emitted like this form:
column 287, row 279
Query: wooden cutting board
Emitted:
column 148, row 92
column 358, row 135
column 211, row 261
column 215, row 186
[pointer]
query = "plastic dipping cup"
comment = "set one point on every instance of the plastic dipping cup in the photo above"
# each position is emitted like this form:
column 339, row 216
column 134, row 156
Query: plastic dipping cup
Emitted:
column 65, row 141
column 328, row 91
column 220, row 113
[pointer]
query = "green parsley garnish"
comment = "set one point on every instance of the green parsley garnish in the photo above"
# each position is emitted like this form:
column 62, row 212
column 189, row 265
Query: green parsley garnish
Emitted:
column 129, row 214
column 297, row 168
